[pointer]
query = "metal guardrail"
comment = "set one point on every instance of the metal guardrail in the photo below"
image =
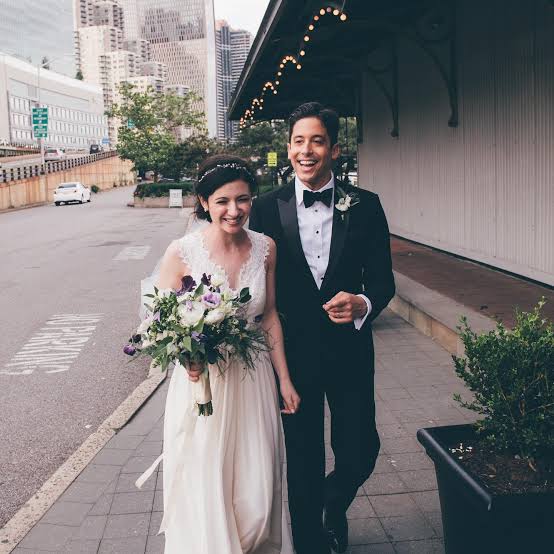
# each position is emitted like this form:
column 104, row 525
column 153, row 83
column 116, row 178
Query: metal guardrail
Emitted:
column 9, row 150
column 33, row 170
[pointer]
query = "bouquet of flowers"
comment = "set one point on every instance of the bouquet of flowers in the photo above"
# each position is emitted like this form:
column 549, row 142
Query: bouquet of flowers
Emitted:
column 198, row 323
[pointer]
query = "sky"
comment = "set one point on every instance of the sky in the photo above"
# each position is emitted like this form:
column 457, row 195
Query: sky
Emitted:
column 241, row 14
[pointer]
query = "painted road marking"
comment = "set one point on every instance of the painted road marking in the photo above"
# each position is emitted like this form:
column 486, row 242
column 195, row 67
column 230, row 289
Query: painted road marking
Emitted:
column 132, row 253
column 55, row 346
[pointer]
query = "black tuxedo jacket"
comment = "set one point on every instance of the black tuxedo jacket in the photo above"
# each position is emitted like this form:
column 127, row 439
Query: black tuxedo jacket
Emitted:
column 359, row 262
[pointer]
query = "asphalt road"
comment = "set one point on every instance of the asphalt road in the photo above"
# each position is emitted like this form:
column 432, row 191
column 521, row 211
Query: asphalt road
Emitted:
column 69, row 299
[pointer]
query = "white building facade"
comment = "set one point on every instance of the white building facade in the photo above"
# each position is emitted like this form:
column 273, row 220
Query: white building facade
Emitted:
column 75, row 109
column 484, row 189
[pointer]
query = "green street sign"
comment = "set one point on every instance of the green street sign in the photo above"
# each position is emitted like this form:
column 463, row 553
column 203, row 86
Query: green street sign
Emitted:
column 40, row 134
column 38, row 109
column 40, row 119
column 40, row 127
column 272, row 159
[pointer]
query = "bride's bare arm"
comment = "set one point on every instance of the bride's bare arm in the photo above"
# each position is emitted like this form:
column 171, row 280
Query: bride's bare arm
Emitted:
column 272, row 326
column 172, row 268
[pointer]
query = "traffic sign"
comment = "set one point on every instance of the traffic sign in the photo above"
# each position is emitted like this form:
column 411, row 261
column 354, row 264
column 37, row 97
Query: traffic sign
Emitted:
column 40, row 118
column 105, row 140
column 40, row 134
column 272, row 159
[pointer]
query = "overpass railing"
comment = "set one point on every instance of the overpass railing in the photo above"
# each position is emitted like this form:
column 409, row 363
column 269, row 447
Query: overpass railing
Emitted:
column 10, row 174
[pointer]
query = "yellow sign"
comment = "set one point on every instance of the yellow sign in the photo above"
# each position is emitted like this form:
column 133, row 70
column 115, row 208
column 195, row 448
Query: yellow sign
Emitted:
column 272, row 159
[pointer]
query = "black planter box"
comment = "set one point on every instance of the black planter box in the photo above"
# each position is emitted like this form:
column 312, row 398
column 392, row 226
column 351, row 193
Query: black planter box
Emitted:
column 477, row 521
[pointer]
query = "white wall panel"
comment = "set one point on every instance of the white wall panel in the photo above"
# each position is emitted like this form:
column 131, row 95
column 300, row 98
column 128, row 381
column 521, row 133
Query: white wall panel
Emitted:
column 484, row 190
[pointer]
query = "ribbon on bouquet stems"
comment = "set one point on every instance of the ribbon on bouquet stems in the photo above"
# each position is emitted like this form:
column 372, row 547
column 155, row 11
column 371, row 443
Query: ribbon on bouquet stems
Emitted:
column 203, row 393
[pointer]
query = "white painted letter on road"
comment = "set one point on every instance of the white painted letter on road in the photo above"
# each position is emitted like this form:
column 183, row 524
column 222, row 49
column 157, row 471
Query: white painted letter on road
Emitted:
column 55, row 346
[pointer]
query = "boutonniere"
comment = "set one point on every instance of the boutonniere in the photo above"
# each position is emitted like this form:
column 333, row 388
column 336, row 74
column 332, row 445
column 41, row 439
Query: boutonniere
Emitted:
column 346, row 201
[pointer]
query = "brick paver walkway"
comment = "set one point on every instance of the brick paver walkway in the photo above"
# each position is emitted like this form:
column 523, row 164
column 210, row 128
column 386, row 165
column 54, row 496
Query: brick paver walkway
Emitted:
column 396, row 511
column 489, row 292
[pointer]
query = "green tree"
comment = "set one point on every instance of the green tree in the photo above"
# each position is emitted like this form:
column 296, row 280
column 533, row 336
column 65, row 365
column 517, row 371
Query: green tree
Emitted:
column 255, row 142
column 149, row 120
column 79, row 75
column 187, row 156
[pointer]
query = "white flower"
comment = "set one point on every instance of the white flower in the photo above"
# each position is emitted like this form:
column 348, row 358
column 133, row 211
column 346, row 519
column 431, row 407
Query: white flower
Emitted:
column 191, row 313
column 342, row 206
column 143, row 327
column 164, row 293
column 217, row 280
column 213, row 317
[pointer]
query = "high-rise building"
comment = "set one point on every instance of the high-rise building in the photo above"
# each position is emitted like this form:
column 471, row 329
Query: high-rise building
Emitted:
column 34, row 31
column 181, row 36
column 232, row 47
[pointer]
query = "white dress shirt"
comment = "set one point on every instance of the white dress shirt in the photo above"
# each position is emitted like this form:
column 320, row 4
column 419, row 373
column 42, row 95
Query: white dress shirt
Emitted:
column 315, row 225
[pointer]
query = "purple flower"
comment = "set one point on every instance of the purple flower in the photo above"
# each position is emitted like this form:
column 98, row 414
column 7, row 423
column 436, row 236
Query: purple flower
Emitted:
column 187, row 284
column 211, row 299
column 206, row 279
column 129, row 349
column 135, row 339
column 198, row 337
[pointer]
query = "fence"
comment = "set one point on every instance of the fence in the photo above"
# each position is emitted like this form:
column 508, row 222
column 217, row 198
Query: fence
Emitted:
column 27, row 171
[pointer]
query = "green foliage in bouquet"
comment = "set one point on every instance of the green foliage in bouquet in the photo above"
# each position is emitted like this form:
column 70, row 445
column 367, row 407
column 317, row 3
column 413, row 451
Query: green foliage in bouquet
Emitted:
column 511, row 373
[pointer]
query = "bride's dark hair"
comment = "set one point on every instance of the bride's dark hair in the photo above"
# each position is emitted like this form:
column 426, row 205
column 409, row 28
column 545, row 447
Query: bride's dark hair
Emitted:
column 217, row 171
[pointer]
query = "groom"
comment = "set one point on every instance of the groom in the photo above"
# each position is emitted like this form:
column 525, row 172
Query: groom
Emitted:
column 333, row 278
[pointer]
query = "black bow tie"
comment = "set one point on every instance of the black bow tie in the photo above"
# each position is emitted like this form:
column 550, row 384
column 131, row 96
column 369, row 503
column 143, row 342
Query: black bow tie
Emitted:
column 310, row 197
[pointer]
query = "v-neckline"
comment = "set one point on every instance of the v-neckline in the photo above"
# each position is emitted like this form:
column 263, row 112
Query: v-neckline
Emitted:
column 221, row 269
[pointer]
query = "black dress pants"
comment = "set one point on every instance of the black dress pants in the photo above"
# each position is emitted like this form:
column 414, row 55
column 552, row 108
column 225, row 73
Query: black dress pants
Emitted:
column 355, row 445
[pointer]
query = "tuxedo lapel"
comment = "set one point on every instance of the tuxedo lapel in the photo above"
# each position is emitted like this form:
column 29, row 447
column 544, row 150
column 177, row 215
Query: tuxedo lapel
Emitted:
column 338, row 237
column 288, row 215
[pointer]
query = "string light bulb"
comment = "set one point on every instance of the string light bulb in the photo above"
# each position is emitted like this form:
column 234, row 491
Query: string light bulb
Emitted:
column 322, row 11
column 306, row 38
column 329, row 9
column 302, row 52
column 311, row 27
column 343, row 17
column 336, row 12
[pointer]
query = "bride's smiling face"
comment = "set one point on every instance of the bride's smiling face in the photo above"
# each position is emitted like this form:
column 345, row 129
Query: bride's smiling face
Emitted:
column 229, row 205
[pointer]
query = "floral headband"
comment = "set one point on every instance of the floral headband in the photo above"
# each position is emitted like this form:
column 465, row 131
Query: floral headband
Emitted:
column 230, row 165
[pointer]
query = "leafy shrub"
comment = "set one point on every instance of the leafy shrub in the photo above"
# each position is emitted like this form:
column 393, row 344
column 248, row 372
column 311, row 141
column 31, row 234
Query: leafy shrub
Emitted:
column 511, row 373
column 95, row 189
column 145, row 190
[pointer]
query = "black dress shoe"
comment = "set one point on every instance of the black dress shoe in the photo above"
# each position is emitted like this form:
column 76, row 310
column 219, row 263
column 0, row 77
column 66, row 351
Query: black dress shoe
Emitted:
column 336, row 527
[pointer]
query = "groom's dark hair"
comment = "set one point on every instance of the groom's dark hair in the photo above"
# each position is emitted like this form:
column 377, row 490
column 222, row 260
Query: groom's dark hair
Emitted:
column 328, row 117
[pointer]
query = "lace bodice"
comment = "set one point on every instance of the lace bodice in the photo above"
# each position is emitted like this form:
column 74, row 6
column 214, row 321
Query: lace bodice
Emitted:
column 252, row 274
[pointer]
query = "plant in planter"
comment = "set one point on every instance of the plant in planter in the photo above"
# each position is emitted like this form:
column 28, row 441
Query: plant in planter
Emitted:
column 496, row 477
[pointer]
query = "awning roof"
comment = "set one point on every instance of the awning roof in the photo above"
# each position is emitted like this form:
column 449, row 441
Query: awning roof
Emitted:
column 339, row 34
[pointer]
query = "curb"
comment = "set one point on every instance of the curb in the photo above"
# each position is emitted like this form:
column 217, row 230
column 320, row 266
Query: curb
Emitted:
column 31, row 512
column 435, row 315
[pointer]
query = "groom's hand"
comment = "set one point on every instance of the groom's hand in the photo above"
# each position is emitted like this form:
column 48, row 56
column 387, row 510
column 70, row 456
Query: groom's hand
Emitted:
column 345, row 307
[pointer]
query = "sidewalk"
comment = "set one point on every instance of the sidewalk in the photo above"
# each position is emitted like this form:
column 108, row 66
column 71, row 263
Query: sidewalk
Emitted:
column 397, row 509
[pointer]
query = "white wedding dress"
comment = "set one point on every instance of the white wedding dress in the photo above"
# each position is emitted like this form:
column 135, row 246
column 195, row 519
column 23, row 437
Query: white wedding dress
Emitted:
column 223, row 473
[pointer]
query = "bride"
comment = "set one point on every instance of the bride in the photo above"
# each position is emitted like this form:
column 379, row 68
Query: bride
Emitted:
column 223, row 480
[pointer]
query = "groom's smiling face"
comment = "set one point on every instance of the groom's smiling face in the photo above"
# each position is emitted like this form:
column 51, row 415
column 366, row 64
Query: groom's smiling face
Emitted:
column 311, row 152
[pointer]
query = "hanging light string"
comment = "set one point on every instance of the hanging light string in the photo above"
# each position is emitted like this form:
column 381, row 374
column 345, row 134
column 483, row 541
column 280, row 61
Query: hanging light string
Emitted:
column 271, row 87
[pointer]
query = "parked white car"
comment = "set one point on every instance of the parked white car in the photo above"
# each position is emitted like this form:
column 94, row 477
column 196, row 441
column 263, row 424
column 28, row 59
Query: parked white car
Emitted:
column 54, row 155
column 71, row 192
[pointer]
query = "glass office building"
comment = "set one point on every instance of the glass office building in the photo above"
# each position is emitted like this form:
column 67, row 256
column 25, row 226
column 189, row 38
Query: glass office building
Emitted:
column 34, row 30
column 181, row 34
